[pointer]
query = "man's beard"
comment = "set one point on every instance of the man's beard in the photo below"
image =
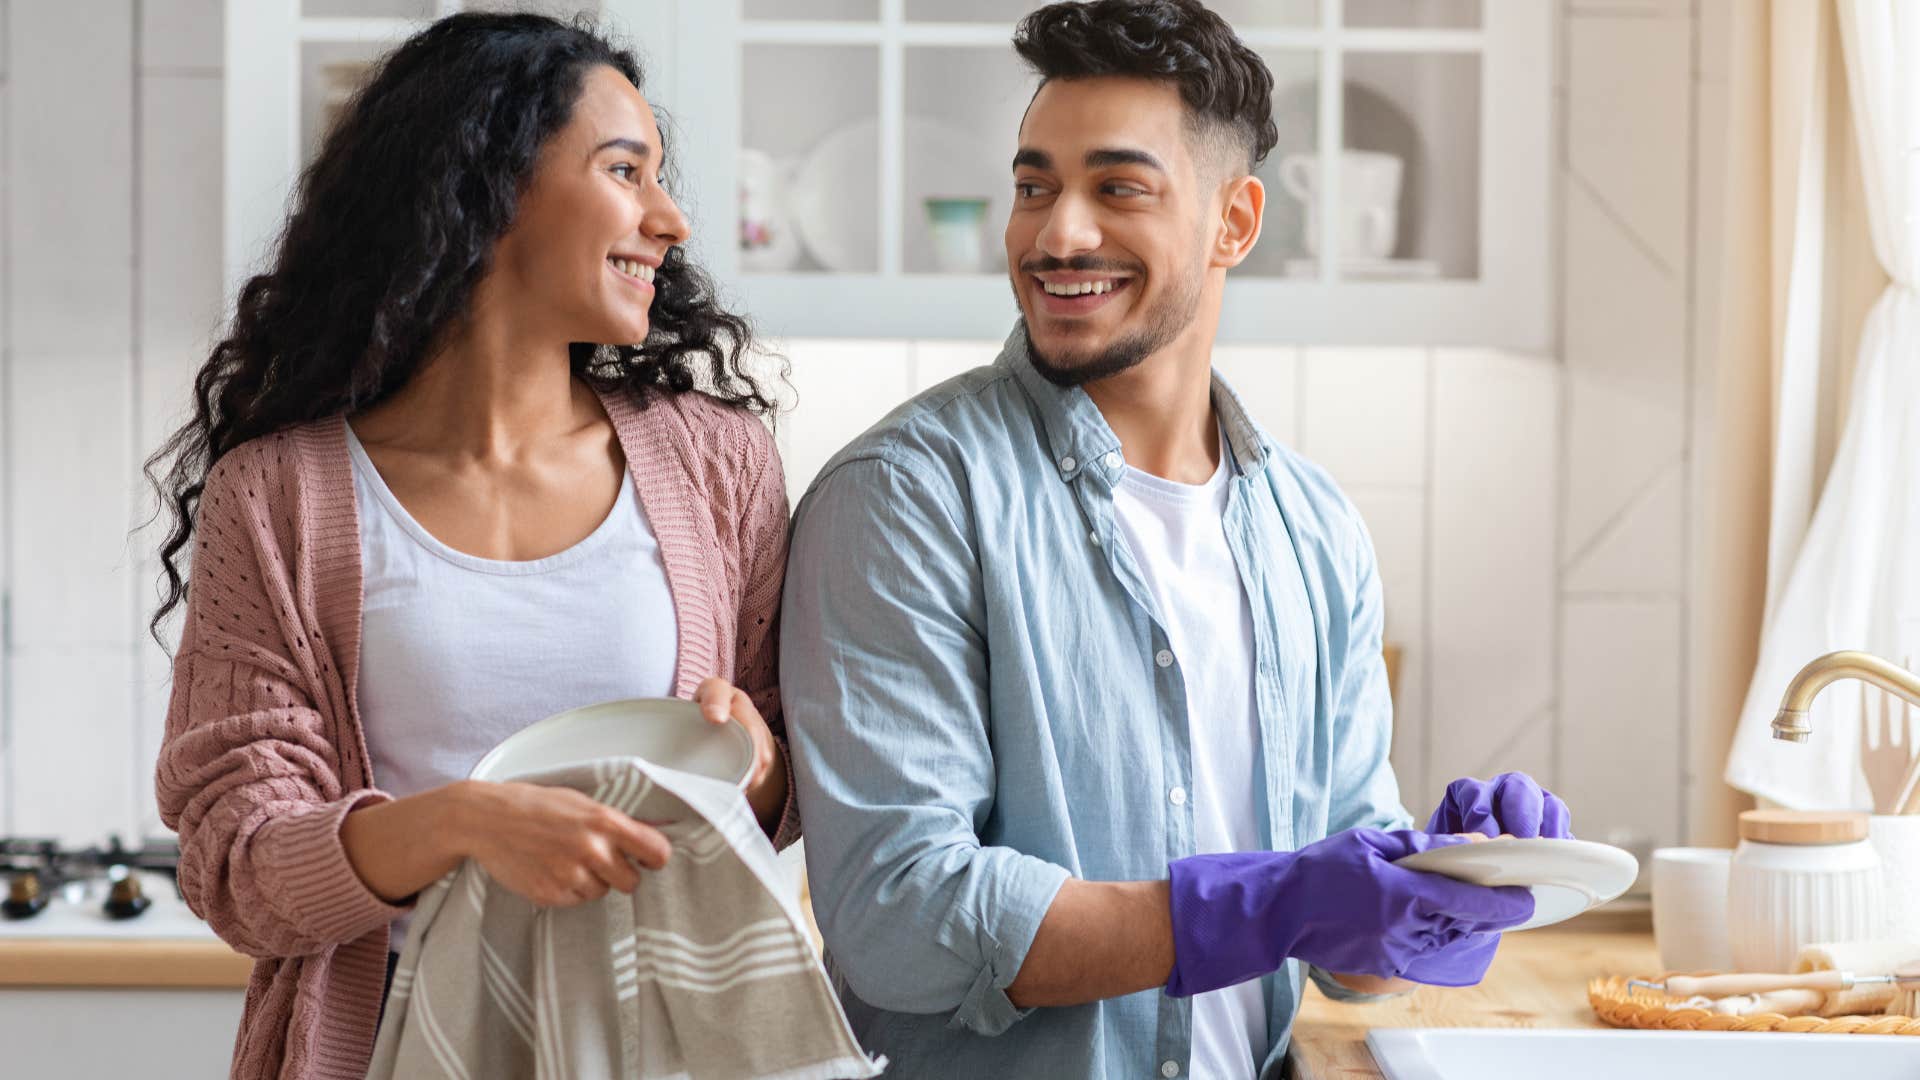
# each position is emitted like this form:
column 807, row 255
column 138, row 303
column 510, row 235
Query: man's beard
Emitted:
column 1166, row 320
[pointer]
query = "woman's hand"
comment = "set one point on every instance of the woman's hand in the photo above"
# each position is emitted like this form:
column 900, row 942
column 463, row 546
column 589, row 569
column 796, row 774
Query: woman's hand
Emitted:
column 556, row 846
column 721, row 701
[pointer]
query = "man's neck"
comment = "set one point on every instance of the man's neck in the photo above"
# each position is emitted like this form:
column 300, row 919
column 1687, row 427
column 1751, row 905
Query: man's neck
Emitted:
column 1162, row 410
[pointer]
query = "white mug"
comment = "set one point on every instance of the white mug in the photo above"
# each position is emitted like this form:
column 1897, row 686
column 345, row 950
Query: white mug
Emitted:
column 1369, row 200
column 1690, row 908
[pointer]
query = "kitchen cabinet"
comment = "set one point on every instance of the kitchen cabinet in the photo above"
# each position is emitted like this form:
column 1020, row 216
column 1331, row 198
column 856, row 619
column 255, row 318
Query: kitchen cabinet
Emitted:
column 1408, row 198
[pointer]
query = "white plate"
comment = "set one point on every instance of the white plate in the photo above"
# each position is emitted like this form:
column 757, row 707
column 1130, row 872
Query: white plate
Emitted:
column 665, row 731
column 1566, row 877
column 835, row 193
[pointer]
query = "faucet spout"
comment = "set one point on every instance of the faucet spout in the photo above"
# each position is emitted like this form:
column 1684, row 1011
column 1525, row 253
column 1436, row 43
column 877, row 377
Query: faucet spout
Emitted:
column 1790, row 723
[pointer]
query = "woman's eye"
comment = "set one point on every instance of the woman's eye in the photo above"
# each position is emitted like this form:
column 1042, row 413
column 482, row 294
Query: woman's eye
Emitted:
column 625, row 171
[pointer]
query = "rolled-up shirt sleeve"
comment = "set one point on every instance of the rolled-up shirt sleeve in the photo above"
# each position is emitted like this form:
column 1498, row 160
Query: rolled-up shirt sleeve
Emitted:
column 884, row 673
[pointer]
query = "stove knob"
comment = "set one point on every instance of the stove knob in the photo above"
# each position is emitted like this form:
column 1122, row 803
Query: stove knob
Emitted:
column 24, row 898
column 125, row 899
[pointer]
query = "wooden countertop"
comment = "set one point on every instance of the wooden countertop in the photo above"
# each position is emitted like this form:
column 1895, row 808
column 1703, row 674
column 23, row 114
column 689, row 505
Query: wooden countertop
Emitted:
column 1538, row 980
column 127, row 963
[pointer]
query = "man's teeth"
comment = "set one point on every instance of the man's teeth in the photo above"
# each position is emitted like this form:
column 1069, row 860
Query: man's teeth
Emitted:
column 632, row 268
column 1081, row 288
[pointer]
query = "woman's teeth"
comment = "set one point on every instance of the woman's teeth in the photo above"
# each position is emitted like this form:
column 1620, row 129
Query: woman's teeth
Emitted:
column 634, row 269
column 1081, row 288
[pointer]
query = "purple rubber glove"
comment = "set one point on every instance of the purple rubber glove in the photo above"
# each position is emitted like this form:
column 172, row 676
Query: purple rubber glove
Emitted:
column 1509, row 803
column 1338, row 903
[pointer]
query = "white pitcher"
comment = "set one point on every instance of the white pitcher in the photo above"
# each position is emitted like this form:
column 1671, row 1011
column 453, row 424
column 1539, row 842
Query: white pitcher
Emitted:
column 1369, row 201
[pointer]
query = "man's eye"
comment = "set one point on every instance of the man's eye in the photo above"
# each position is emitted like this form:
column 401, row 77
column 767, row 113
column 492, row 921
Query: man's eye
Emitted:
column 1125, row 191
column 1026, row 191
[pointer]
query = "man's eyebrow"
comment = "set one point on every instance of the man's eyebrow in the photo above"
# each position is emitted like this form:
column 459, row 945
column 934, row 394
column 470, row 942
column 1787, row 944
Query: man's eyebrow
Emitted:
column 1034, row 159
column 1109, row 157
column 631, row 146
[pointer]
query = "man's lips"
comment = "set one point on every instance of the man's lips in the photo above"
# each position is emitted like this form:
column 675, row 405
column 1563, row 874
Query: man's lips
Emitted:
column 1076, row 293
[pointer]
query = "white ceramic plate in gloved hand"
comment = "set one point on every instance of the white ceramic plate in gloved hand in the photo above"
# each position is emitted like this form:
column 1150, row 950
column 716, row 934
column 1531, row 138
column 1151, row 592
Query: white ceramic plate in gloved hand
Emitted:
column 1566, row 877
column 665, row 731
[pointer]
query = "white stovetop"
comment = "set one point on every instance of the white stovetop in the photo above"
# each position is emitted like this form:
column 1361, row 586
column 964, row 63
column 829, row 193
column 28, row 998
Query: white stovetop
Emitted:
column 168, row 918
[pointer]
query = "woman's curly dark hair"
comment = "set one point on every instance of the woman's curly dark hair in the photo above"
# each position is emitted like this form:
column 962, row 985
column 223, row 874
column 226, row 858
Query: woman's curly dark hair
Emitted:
column 1222, row 82
column 393, row 225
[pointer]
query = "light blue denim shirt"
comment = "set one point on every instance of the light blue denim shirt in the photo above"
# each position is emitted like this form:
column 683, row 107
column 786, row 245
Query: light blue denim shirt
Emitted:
column 982, row 700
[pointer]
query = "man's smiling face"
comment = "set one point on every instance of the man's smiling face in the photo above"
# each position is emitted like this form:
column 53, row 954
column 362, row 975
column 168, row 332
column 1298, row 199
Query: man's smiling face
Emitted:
column 1106, row 244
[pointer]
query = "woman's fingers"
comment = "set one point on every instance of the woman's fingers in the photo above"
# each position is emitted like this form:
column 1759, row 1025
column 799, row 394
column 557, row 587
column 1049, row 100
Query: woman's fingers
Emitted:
column 715, row 698
column 618, row 871
column 645, row 844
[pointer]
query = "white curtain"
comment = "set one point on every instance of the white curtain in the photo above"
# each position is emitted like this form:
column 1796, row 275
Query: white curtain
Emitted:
column 1852, row 580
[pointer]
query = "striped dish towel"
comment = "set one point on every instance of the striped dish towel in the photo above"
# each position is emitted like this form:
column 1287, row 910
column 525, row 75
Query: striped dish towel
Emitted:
column 704, row 971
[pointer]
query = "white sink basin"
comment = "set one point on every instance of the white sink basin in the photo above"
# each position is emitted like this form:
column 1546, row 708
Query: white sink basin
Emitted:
column 1526, row 1054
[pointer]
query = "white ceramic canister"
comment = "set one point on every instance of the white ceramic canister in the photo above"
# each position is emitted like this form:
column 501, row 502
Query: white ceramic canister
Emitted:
column 1897, row 838
column 1800, row 877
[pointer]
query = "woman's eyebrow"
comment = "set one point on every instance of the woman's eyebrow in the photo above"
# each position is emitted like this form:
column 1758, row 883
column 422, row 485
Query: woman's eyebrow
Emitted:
column 631, row 146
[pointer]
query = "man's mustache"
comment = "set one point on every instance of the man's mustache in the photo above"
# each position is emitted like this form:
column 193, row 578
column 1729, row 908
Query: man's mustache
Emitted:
column 1079, row 264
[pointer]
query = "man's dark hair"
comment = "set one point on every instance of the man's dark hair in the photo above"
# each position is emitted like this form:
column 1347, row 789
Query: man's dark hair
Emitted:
column 1226, row 87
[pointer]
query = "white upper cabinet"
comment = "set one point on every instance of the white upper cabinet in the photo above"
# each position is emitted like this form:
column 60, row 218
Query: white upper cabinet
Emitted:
column 846, row 163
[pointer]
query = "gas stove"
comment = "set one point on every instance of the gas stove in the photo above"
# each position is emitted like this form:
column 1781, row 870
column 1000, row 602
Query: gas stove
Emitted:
column 105, row 891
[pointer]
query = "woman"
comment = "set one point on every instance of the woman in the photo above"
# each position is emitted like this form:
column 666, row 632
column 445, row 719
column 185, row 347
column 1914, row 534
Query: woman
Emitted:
column 433, row 496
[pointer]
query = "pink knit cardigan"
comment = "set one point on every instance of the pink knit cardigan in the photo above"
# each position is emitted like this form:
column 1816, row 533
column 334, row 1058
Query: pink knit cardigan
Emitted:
column 264, row 753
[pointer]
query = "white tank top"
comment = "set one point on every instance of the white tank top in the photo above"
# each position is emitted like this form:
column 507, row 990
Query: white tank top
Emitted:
column 458, row 652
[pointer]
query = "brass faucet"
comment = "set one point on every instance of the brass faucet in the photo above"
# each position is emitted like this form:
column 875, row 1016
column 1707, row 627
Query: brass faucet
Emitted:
column 1791, row 722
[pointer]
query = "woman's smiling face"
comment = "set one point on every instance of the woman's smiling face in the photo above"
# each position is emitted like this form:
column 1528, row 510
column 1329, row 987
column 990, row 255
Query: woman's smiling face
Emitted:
column 594, row 224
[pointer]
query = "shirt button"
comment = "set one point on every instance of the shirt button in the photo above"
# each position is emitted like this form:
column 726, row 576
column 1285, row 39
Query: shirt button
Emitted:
column 1114, row 461
column 1178, row 796
column 1169, row 1069
column 1067, row 464
column 1163, row 658
column 1095, row 537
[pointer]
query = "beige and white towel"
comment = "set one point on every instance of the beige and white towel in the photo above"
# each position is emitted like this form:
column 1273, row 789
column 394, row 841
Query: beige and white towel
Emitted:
column 704, row 971
column 1862, row 958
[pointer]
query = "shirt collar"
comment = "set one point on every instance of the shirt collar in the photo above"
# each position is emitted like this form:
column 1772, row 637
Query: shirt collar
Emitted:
column 1078, row 435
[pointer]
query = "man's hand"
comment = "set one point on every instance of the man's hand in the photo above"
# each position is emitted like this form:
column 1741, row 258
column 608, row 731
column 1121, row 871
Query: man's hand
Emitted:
column 1510, row 803
column 1339, row 903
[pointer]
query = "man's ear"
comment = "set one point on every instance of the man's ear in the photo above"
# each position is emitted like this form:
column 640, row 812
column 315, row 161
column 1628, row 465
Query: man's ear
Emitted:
column 1243, row 204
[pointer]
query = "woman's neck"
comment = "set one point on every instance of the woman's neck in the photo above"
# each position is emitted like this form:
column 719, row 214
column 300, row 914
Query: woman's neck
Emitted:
column 483, row 397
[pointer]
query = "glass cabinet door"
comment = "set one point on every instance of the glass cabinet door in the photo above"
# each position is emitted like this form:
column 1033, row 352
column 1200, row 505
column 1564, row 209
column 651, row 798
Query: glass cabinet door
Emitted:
column 867, row 179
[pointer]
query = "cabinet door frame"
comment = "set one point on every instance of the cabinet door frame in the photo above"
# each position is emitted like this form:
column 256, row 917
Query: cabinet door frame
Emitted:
column 1507, row 306
column 692, row 52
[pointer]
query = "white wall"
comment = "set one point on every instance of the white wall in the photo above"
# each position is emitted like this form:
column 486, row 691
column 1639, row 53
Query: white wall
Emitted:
column 1627, row 98
column 1528, row 513
column 111, row 116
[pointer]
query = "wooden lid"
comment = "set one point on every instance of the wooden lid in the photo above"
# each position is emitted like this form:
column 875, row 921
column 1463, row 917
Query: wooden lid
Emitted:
column 1803, row 826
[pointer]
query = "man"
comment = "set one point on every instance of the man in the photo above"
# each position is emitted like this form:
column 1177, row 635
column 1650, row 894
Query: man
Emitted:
column 1082, row 671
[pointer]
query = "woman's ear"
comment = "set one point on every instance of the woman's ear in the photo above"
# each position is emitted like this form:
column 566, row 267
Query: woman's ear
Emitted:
column 1243, row 205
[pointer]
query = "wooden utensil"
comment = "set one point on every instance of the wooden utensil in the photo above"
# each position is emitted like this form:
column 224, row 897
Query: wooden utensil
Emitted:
column 1715, row 986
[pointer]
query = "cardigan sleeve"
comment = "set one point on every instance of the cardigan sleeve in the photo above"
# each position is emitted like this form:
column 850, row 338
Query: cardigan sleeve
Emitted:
column 763, row 561
column 248, row 773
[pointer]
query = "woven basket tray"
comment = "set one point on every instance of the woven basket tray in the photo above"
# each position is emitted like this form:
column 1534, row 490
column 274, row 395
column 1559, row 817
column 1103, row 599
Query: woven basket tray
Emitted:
column 1652, row 1010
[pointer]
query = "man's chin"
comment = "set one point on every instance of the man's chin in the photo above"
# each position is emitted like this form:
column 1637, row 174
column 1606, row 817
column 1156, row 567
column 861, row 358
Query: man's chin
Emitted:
column 1074, row 361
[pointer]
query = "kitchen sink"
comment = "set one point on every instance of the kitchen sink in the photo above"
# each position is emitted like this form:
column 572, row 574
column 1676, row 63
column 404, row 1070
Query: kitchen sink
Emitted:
column 1479, row 1053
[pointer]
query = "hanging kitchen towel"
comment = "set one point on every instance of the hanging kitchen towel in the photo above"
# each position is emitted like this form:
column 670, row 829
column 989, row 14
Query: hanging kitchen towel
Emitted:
column 704, row 971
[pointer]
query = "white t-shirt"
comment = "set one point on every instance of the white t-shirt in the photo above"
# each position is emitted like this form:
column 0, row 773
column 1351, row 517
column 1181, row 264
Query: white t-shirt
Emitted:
column 1177, row 535
column 458, row 652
